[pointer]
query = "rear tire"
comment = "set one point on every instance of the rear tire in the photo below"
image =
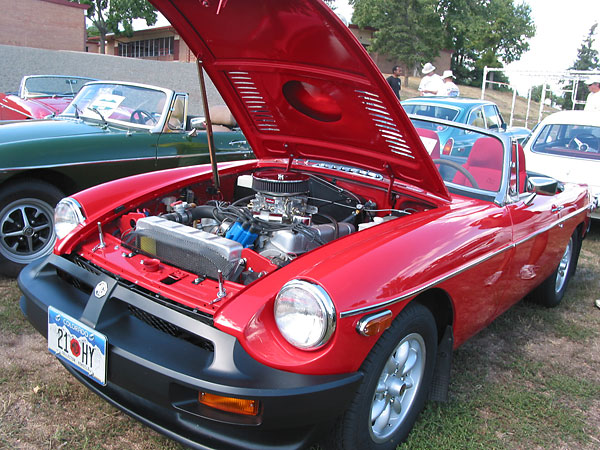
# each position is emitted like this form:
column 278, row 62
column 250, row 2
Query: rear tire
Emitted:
column 552, row 290
column 398, row 374
column 26, row 223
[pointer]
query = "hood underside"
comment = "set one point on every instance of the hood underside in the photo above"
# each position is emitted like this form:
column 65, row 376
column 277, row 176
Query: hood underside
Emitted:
column 300, row 84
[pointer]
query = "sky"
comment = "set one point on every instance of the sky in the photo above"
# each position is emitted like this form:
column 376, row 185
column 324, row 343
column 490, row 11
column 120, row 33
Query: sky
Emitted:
column 561, row 27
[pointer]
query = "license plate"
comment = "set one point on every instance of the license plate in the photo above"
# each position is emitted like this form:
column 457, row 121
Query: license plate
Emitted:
column 77, row 344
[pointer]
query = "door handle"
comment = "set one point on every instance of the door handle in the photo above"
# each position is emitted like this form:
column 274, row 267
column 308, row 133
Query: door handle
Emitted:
column 238, row 144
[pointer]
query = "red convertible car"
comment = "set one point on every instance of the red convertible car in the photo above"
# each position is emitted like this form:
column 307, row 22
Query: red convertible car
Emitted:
column 317, row 292
column 40, row 96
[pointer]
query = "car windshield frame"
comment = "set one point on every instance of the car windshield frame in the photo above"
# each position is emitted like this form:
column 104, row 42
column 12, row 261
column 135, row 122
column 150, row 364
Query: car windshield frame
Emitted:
column 499, row 196
column 33, row 86
column 565, row 140
column 115, row 103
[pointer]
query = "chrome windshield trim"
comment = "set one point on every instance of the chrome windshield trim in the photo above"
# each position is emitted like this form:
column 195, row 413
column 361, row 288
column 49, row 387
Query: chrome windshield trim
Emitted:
column 478, row 261
column 156, row 128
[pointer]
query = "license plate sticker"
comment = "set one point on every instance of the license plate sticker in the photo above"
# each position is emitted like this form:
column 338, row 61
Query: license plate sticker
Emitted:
column 77, row 344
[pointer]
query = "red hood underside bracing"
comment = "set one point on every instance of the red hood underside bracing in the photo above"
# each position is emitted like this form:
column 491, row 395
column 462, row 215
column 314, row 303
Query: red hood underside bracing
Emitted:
column 300, row 84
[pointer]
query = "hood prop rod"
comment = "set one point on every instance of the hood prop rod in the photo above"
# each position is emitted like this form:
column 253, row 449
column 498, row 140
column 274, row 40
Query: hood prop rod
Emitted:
column 209, row 131
column 390, row 194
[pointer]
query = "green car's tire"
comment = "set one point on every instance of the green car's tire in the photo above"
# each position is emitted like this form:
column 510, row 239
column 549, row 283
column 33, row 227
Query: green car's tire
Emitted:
column 26, row 223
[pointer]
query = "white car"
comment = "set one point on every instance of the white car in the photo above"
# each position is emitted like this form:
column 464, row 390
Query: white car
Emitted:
column 566, row 146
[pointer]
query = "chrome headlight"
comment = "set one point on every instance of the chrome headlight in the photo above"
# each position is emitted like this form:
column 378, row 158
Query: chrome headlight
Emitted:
column 67, row 215
column 305, row 314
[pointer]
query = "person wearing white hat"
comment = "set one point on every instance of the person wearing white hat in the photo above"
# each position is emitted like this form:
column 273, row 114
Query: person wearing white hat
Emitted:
column 431, row 82
column 449, row 89
column 593, row 99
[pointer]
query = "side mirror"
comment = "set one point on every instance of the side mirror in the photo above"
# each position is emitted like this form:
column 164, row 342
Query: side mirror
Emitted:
column 542, row 185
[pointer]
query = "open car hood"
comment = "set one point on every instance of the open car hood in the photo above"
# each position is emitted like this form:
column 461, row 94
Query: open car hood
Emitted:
column 299, row 83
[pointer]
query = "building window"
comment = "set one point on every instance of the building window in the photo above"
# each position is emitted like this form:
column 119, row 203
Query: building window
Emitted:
column 147, row 48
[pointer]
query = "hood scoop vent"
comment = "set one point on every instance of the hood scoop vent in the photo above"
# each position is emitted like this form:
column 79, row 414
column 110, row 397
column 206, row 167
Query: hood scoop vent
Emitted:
column 384, row 123
column 253, row 101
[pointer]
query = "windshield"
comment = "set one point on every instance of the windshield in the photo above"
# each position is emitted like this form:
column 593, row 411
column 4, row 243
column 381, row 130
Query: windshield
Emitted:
column 49, row 86
column 464, row 158
column 578, row 141
column 119, row 103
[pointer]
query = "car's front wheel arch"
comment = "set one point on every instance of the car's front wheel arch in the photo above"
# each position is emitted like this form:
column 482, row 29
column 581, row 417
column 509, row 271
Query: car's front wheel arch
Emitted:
column 397, row 376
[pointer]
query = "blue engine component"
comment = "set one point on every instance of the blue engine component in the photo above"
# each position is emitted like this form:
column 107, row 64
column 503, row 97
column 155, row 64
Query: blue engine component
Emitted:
column 243, row 236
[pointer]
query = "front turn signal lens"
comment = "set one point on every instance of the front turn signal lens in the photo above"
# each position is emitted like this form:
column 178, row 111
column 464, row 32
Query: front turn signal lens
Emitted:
column 375, row 324
column 246, row 407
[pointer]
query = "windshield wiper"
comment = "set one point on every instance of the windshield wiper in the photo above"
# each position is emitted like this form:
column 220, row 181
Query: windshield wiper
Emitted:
column 93, row 108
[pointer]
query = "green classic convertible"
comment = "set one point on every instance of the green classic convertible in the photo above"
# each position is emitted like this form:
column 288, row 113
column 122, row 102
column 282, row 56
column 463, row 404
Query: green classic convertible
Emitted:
column 110, row 130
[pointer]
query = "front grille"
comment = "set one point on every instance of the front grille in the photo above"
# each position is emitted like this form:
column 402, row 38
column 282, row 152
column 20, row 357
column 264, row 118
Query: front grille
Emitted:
column 169, row 328
column 150, row 319
column 75, row 282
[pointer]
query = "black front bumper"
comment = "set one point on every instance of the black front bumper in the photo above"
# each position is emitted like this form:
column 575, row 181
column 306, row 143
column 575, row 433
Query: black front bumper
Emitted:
column 160, row 358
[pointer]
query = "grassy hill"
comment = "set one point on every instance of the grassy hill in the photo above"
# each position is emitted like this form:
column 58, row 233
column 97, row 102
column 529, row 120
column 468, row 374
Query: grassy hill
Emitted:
column 502, row 99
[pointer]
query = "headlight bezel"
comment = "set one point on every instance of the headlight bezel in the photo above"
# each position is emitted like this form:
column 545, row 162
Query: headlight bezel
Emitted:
column 68, row 214
column 321, row 300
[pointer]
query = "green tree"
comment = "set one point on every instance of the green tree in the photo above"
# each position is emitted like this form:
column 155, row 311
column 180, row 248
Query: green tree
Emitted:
column 536, row 94
column 116, row 16
column 409, row 31
column 484, row 33
column 587, row 59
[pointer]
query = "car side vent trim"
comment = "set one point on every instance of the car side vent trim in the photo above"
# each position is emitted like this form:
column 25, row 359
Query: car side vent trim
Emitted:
column 253, row 101
column 384, row 123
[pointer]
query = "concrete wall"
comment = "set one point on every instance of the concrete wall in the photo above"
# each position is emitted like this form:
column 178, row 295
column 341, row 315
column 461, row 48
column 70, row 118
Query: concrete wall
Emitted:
column 182, row 77
column 50, row 24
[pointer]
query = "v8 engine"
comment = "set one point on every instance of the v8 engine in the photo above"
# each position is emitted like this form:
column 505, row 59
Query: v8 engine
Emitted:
column 286, row 215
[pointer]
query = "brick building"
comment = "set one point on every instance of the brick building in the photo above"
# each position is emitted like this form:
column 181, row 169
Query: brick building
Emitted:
column 47, row 24
column 158, row 43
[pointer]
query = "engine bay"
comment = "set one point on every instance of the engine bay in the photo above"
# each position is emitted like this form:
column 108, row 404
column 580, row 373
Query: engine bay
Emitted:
column 272, row 217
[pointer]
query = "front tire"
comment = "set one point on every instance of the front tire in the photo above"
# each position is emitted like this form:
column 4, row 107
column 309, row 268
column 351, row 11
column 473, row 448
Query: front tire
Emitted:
column 552, row 290
column 26, row 223
column 398, row 374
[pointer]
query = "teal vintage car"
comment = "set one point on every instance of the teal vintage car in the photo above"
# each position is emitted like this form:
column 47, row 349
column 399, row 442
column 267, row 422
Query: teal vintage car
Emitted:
column 110, row 130
column 470, row 111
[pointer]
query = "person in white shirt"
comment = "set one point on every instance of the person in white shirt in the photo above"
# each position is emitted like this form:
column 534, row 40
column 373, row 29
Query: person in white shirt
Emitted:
column 431, row 82
column 593, row 99
column 449, row 89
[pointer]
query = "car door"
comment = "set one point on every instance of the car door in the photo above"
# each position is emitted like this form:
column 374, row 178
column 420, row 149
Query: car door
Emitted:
column 116, row 152
column 539, row 236
column 180, row 145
